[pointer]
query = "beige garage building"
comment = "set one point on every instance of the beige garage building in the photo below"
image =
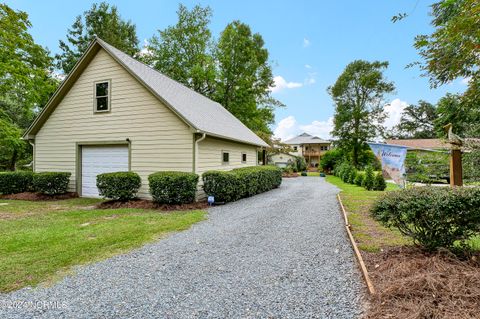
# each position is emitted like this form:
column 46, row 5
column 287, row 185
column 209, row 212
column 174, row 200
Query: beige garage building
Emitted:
column 114, row 113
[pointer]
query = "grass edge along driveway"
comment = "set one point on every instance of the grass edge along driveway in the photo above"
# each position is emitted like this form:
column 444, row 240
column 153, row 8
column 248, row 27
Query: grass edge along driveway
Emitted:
column 41, row 241
column 368, row 233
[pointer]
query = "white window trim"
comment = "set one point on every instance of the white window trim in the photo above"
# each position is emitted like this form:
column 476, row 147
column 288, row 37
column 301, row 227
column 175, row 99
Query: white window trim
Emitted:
column 223, row 162
column 246, row 158
column 109, row 96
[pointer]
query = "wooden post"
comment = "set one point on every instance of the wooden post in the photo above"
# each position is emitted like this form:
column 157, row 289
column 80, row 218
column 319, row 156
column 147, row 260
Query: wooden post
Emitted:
column 456, row 168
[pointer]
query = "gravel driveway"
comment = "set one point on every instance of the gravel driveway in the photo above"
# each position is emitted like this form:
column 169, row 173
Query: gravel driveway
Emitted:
column 281, row 254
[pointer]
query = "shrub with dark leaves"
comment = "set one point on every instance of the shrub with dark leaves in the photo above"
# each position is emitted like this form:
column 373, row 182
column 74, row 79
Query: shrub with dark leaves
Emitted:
column 173, row 187
column 51, row 183
column 433, row 217
column 121, row 186
column 15, row 182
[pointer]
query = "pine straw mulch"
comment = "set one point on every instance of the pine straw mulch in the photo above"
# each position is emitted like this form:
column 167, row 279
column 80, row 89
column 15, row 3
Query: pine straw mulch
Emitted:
column 412, row 284
column 31, row 196
column 148, row 204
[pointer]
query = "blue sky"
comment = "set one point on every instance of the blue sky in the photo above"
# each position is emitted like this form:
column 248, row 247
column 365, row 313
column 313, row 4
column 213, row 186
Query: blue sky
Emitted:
column 310, row 43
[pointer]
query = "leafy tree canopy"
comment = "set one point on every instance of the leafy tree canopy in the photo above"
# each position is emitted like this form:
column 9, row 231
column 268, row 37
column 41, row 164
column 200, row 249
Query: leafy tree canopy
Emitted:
column 184, row 51
column 245, row 76
column 417, row 121
column 104, row 21
column 26, row 80
column 358, row 95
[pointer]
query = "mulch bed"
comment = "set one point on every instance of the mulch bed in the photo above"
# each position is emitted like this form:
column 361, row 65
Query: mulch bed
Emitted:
column 288, row 175
column 148, row 204
column 411, row 284
column 38, row 197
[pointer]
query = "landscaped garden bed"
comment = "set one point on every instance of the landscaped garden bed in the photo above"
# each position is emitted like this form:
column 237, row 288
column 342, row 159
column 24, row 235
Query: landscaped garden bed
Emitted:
column 410, row 282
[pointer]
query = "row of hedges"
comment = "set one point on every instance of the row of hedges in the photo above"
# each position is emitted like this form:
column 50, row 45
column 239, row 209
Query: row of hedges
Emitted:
column 165, row 187
column 49, row 183
column 368, row 179
column 433, row 217
column 228, row 186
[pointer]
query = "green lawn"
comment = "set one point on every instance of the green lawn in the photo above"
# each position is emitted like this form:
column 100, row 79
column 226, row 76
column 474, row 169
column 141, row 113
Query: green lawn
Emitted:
column 368, row 233
column 313, row 173
column 42, row 240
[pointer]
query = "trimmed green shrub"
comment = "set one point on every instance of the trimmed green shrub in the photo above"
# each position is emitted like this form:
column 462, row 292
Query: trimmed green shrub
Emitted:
column 352, row 176
column 51, row 183
column 173, row 187
column 228, row 186
column 304, row 174
column 300, row 163
column 119, row 185
column 432, row 216
column 359, row 179
column 331, row 159
column 15, row 182
column 369, row 179
column 379, row 183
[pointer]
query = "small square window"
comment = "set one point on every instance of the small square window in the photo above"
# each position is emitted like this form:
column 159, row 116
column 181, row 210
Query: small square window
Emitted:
column 295, row 148
column 244, row 157
column 225, row 157
column 102, row 90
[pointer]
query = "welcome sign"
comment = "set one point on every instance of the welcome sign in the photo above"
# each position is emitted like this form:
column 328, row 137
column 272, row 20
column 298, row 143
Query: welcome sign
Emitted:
column 392, row 158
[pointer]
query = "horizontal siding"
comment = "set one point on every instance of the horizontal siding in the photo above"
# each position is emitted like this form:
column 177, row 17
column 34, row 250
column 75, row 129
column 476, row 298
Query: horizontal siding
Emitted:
column 210, row 157
column 159, row 139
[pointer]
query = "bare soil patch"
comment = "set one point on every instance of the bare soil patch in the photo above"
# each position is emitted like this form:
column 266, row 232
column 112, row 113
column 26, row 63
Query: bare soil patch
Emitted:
column 38, row 196
column 148, row 204
column 411, row 283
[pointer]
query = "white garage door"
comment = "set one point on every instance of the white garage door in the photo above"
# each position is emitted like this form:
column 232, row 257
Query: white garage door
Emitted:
column 101, row 159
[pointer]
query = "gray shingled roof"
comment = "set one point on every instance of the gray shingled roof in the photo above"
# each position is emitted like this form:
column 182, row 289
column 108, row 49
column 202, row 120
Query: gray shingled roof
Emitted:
column 305, row 138
column 197, row 110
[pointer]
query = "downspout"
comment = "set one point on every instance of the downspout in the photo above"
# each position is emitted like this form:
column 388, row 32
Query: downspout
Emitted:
column 31, row 142
column 196, row 151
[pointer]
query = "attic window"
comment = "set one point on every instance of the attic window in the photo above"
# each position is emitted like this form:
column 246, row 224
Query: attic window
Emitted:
column 102, row 96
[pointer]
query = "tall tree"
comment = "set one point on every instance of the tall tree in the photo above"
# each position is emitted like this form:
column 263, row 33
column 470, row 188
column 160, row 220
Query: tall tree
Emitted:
column 184, row 51
column 417, row 121
column 26, row 80
column 104, row 21
column 452, row 109
column 245, row 76
column 358, row 95
column 453, row 49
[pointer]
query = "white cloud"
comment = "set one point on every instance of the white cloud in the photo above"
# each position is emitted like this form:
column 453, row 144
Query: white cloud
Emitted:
column 281, row 84
column 394, row 112
column 321, row 129
column 466, row 81
column 289, row 127
column 308, row 66
column 306, row 43
column 145, row 51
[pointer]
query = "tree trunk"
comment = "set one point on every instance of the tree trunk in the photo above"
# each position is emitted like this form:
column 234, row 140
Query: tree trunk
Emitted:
column 13, row 160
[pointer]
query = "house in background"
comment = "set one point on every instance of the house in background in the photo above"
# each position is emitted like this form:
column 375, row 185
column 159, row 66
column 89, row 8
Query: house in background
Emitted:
column 114, row 113
column 310, row 147
column 281, row 159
